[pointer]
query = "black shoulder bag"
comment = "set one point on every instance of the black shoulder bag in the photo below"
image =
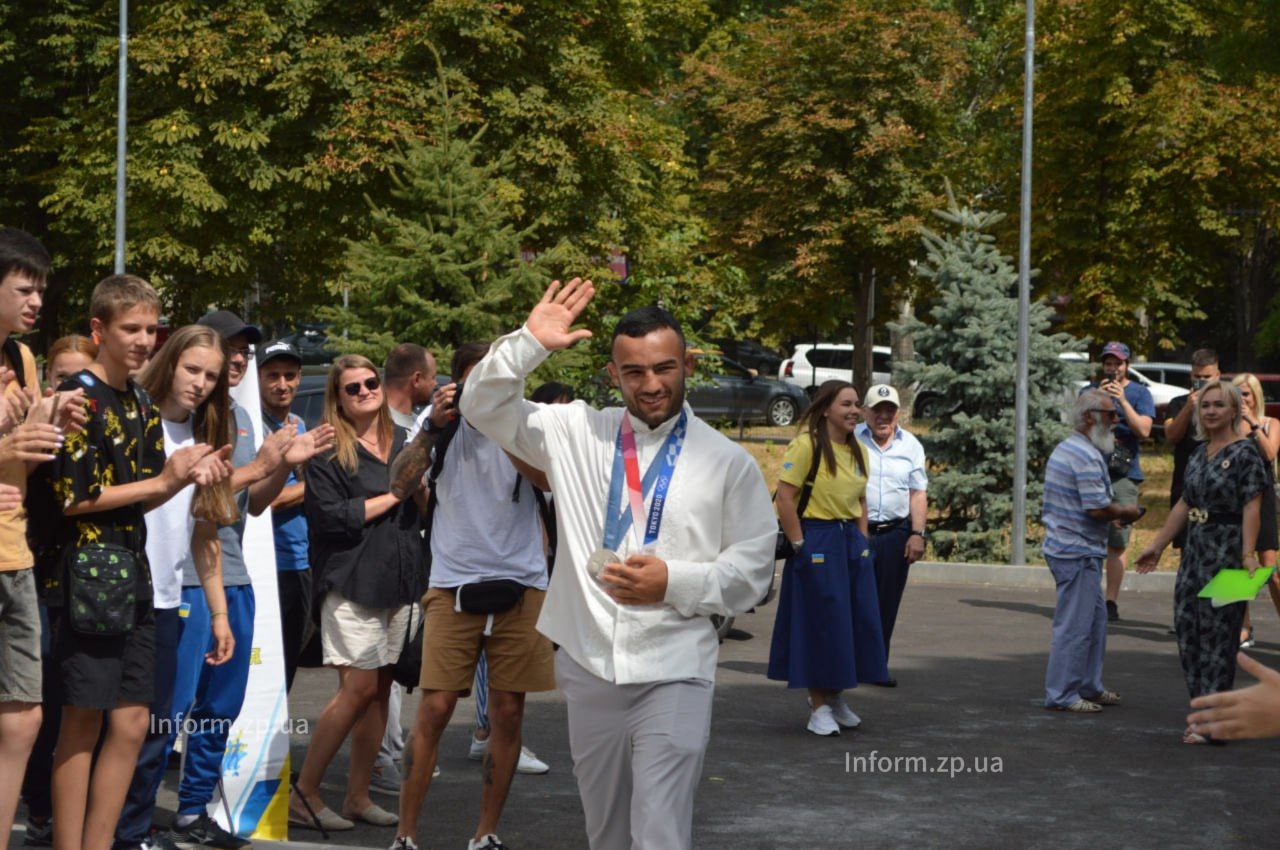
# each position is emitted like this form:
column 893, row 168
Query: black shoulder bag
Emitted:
column 783, row 548
column 102, row 578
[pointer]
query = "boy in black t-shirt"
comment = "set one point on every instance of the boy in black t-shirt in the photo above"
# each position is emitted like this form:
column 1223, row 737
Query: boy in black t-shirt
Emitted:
column 105, row 478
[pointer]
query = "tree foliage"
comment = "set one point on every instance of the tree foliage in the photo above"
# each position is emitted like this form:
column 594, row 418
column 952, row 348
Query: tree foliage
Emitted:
column 441, row 264
column 827, row 126
column 1155, row 158
column 967, row 353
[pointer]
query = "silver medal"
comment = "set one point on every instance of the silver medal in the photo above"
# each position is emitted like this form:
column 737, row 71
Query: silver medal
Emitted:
column 599, row 560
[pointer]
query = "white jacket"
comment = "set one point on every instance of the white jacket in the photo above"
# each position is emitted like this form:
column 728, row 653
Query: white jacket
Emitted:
column 717, row 536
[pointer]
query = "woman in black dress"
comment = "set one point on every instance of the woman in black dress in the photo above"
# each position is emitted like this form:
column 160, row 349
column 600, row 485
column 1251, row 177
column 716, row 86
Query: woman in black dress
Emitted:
column 1221, row 509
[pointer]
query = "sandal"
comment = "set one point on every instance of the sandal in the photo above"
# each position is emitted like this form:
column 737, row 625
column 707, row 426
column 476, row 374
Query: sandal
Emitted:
column 1189, row 737
column 374, row 814
column 325, row 819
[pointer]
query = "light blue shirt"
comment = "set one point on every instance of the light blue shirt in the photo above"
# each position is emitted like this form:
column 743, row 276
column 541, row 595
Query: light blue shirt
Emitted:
column 1075, row 481
column 894, row 472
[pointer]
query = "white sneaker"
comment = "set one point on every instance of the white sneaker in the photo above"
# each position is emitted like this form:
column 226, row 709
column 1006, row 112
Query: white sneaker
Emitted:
column 821, row 722
column 488, row 842
column 529, row 763
column 843, row 714
column 403, row 842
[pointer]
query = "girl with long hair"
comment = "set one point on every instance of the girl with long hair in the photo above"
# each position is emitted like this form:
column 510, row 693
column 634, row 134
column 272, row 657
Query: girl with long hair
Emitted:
column 1220, row 508
column 186, row 380
column 827, row 636
column 369, row 564
column 1263, row 431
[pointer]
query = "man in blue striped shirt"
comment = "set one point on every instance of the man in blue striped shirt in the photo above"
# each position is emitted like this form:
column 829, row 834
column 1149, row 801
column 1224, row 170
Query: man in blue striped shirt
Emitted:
column 1079, row 508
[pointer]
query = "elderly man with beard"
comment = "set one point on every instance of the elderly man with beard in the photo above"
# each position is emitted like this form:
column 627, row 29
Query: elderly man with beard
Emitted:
column 1079, row 508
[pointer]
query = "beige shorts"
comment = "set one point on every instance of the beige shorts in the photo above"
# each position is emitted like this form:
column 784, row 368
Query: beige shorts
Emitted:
column 355, row 635
column 520, row 659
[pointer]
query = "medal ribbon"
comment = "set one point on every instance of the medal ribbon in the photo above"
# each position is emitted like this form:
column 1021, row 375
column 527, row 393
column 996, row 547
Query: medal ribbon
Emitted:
column 656, row 479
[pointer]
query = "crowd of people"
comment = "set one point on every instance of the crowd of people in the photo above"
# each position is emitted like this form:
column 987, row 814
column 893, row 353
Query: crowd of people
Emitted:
column 1223, row 514
column 491, row 543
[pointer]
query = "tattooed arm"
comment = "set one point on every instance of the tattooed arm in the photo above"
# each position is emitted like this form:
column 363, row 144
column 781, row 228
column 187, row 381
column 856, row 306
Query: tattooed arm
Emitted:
column 411, row 464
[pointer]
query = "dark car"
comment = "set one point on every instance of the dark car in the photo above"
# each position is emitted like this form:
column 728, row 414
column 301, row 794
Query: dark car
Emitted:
column 738, row 394
column 312, row 343
column 751, row 354
column 308, row 404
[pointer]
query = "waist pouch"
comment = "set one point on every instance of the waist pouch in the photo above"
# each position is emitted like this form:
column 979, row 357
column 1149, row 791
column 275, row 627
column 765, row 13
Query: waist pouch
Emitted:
column 488, row 597
column 1119, row 463
column 102, row 589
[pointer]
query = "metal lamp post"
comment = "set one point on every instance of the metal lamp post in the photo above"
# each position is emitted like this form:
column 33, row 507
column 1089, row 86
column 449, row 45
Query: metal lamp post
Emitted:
column 121, row 111
column 1019, row 553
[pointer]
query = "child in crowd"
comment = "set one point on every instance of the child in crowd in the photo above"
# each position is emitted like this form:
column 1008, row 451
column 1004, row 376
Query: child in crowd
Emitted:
column 105, row 478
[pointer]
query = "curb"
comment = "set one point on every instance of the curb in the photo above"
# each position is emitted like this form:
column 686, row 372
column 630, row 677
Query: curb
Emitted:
column 1005, row 575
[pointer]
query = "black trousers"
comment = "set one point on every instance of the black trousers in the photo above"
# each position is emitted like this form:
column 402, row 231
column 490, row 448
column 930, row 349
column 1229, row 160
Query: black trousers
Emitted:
column 295, row 588
column 889, row 547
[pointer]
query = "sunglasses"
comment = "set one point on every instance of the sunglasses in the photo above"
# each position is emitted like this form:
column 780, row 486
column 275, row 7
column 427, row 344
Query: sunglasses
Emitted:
column 1109, row 412
column 353, row 388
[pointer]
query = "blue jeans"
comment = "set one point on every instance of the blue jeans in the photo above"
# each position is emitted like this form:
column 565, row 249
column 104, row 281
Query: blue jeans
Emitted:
column 1079, row 632
column 207, row 699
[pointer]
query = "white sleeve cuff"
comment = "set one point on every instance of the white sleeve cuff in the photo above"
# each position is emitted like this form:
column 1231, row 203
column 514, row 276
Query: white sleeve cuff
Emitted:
column 684, row 586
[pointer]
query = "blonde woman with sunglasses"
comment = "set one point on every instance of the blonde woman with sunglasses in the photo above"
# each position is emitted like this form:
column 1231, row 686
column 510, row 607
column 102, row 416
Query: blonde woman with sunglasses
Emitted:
column 368, row 560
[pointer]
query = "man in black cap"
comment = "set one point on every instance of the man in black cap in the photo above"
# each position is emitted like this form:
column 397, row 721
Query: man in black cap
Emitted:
column 279, row 375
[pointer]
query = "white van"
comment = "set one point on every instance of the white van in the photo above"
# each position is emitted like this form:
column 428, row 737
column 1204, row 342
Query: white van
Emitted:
column 810, row 365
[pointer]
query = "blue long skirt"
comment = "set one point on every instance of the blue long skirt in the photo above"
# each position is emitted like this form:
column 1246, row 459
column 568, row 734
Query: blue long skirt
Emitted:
column 827, row 634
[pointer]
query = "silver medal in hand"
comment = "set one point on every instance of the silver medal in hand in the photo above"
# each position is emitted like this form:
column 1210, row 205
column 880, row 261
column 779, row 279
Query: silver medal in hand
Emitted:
column 599, row 560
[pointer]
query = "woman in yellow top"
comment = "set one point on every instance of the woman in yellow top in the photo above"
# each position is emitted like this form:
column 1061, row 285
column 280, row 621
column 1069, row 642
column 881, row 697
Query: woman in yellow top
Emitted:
column 827, row 634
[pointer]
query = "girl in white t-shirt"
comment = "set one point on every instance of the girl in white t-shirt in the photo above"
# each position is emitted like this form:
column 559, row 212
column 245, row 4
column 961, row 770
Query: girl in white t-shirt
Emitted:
column 187, row 381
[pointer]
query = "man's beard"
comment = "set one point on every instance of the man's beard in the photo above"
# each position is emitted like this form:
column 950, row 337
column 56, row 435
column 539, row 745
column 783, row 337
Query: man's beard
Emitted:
column 1102, row 437
column 653, row 421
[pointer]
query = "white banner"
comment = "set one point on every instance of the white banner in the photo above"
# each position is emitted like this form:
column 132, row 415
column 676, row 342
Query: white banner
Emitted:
column 255, row 767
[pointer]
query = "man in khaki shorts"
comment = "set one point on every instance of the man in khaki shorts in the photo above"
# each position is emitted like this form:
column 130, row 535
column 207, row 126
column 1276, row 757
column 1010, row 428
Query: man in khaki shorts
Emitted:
column 488, row 580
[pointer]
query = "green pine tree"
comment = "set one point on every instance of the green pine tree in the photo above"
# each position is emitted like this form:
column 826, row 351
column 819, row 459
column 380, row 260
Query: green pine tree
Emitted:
column 967, row 352
column 442, row 262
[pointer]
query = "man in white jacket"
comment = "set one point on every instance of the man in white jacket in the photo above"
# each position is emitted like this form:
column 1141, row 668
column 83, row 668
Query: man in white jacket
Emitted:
column 663, row 522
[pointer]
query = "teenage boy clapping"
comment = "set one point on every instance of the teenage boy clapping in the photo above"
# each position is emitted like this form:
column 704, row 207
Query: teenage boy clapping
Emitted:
column 106, row 477
column 32, row 433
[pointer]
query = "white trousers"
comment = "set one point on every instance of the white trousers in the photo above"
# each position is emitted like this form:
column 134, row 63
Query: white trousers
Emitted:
column 637, row 754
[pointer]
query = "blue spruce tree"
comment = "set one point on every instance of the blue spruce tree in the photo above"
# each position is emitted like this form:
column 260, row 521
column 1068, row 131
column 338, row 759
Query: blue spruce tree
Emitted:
column 967, row 352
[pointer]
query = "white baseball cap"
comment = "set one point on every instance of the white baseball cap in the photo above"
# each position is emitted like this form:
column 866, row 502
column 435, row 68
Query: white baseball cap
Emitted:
column 882, row 393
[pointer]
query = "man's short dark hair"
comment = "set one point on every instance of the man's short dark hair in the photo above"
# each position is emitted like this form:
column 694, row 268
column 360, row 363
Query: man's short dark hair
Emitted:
column 645, row 320
column 21, row 253
column 402, row 361
column 1204, row 357
column 467, row 355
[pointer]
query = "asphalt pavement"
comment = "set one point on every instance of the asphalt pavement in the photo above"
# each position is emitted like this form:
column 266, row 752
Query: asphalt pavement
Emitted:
column 961, row 754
